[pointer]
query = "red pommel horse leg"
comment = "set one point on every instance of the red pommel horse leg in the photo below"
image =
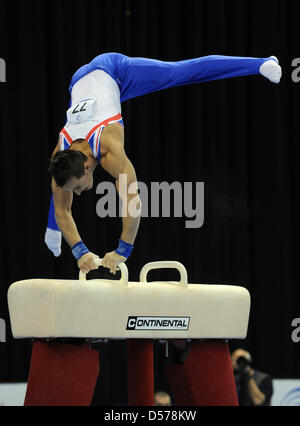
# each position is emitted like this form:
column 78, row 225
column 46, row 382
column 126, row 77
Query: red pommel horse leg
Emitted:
column 140, row 372
column 61, row 375
column 65, row 375
column 205, row 378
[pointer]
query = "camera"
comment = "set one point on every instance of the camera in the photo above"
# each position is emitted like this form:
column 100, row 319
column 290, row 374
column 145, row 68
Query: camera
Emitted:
column 243, row 362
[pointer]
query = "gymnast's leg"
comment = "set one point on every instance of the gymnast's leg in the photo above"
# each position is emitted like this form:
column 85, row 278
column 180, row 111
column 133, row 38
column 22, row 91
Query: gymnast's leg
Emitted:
column 142, row 75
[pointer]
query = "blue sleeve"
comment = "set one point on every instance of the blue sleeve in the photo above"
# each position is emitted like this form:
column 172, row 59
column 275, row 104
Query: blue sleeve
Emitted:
column 51, row 217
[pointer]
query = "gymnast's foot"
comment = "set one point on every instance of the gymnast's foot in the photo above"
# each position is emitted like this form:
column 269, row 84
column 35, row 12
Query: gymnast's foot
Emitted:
column 271, row 69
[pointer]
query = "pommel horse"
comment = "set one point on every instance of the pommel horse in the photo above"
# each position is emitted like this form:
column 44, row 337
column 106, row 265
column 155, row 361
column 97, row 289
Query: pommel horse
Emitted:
column 205, row 316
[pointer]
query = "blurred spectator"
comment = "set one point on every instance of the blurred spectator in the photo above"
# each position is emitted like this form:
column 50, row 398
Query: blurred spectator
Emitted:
column 254, row 388
column 162, row 398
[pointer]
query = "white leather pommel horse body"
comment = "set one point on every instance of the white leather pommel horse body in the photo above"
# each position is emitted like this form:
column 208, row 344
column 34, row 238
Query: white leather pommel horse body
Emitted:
column 119, row 309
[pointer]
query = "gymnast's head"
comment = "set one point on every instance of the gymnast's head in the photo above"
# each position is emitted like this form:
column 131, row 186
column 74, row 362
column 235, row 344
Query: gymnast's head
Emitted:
column 72, row 170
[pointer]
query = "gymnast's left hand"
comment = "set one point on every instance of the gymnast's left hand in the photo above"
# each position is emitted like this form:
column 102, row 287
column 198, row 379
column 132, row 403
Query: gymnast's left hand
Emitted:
column 112, row 260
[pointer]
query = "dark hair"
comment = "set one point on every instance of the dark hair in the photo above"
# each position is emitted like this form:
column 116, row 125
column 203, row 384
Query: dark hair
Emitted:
column 65, row 165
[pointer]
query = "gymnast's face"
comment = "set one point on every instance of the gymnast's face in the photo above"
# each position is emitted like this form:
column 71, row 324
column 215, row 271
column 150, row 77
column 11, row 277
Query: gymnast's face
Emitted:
column 85, row 183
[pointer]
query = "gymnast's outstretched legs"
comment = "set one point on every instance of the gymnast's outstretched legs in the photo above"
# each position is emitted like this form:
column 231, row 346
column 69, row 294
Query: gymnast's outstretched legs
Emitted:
column 142, row 75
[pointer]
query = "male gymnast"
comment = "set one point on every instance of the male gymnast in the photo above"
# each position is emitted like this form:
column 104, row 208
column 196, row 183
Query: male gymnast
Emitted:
column 94, row 134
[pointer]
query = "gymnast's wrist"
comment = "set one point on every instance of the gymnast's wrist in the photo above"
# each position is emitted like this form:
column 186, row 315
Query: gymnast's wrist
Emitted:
column 79, row 249
column 124, row 249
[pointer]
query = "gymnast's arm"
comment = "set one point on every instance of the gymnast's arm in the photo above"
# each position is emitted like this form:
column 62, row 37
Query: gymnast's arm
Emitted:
column 117, row 164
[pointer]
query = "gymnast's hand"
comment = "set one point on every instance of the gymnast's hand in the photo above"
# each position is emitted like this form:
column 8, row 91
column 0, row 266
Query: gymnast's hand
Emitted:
column 112, row 260
column 88, row 262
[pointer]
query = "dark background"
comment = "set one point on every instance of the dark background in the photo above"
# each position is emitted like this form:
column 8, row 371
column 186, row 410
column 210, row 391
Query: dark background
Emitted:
column 238, row 136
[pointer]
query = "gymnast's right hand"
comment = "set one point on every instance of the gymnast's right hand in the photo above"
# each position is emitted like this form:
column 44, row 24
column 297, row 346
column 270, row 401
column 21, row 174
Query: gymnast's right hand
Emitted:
column 88, row 262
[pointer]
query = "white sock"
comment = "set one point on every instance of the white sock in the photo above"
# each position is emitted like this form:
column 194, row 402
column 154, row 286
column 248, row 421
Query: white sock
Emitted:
column 271, row 70
column 53, row 241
